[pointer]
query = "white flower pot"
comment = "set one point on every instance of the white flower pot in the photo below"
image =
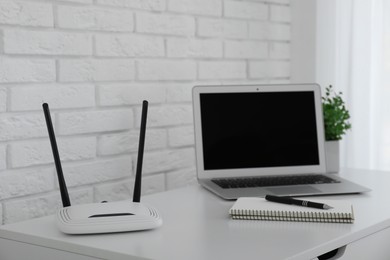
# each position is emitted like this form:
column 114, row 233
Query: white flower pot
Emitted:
column 332, row 154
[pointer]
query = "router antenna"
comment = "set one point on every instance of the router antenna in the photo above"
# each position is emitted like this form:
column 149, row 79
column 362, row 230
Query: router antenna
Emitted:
column 141, row 145
column 56, row 155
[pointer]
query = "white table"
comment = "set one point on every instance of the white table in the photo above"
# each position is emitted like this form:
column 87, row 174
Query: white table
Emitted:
column 197, row 227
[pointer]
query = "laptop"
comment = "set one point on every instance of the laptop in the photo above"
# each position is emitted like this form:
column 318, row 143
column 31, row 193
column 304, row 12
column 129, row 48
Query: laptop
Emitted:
column 253, row 140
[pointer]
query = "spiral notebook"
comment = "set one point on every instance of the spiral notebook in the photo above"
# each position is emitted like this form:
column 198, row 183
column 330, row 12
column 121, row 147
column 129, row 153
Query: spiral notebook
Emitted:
column 252, row 208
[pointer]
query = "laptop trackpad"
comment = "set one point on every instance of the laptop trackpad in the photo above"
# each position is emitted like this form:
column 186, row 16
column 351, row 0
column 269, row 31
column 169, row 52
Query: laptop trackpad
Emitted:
column 294, row 190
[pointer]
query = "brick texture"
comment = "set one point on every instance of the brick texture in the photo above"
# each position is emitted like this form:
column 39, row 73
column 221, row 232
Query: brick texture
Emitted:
column 44, row 42
column 3, row 153
column 98, row 171
column 92, row 18
column 73, row 70
column 93, row 62
column 114, row 191
column 153, row 23
column 123, row 93
column 246, row 50
column 3, row 99
column 96, row 121
column 151, row 5
column 17, row 70
column 269, row 31
column 280, row 14
column 180, row 178
column 57, row 95
column 26, row 13
column 128, row 142
column 246, row 10
column 24, row 154
column 270, row 69
column 222, row 70
column 181, row 136
column 198, row 7
column 17, row 183
column 194, row 48
column 162, row 161
column 222, row 28
column 166, row 70
column 129, row 46
column 17, row 127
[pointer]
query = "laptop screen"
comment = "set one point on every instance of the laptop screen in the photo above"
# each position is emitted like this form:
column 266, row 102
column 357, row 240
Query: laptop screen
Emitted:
column 258, row 129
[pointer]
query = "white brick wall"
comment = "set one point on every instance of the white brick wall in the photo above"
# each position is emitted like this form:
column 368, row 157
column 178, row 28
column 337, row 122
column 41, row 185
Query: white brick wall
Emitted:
column 246, row 50
column 113, row 191
column 38, row 152
column 73, row 70
column 58, row 96
column 3, row 153
column 246, row 10
column 194, row 48
column 272, row 69
column 123, row 93
column 94, row 61
column 91, row 18
column 46, row 42
column 198, row 7
column 166, row 70
column 168, row 24
column 18, row 70
column 94, row 121
column 279, row 50
column 128, row 142
column 280, row 13
column 129, row 46
column 152, row 5
column 3, row 99
column 169, row 160
column 269, row 31
column 169, row 115
column 16, row 183
column 98, row 171
column 123, row 190
column 179, row 92
column 222, row 69
column 181, row 136
column 14, row 127
column 26, row 13
column 222, row 28
column 181, row 178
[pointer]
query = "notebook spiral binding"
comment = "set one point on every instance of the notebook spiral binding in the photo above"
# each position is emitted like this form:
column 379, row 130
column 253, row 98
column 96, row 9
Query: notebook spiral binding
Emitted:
column 324, row 217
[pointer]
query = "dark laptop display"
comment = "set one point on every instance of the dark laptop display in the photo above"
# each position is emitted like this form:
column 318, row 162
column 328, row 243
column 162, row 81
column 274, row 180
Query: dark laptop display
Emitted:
column 270, row 129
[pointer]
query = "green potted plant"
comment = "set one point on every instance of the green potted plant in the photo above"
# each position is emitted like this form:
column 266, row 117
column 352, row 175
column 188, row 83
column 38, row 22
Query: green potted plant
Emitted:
column 336, row 123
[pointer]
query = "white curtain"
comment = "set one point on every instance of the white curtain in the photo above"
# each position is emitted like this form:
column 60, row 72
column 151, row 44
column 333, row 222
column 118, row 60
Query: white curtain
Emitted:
column 362, row 73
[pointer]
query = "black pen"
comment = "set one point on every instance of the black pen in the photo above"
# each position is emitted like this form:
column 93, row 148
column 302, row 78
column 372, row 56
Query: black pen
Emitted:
column 305, row 203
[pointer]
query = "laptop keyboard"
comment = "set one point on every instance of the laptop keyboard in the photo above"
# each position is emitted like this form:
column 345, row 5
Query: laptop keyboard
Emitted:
column 264, row 181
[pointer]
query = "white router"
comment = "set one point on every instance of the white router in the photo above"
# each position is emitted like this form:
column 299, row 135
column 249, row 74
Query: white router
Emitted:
column 121, row 216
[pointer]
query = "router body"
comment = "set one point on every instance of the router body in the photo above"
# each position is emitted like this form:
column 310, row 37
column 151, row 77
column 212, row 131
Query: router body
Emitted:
column 120, row 216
